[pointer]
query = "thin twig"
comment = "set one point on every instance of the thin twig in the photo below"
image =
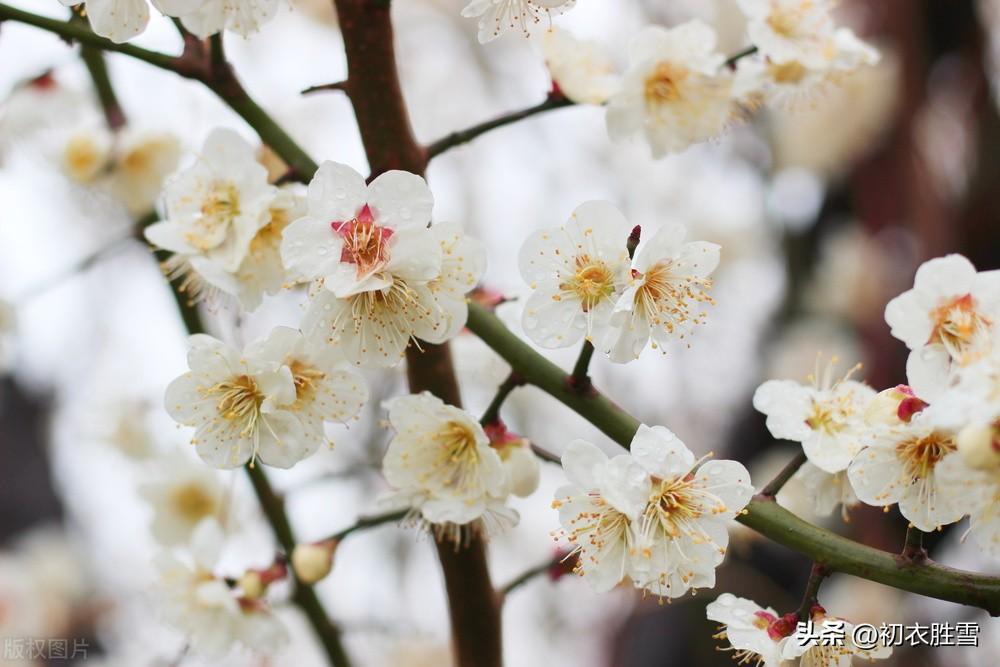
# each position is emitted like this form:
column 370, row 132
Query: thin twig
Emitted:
column 492, row 414
column 771, row 489
column 739, row 55
column 579, row 380
column 340, row 86
column 913, row 547
column 529, row 574
column 366, row 522
column 810, row 597
column 553, row 101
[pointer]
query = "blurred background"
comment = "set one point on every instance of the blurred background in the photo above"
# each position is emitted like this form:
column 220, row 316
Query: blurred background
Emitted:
column 823, row 213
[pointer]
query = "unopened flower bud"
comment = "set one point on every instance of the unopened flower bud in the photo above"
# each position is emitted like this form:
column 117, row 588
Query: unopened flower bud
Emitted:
column 519, row 462
column 893, row 406
column 979, row 446
column 252, row 585
column 312, row 562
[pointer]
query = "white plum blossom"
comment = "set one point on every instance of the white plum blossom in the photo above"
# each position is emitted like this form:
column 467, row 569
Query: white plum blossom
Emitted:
column 675, row 91
column 181, row 495
column 211, row 615
column 792, row 84
column 599, row 510
column 326, row 390
column 239, row 406
column 682, row 533
column 976, row 489
column 754, row 633
column 827, row 491
column 140, row 164
column 899, row 465
column 577, row 272
column 655, row 515
column 791, row 30
column 214, row 210
column 244, row 17
column 813, row 651
column 669, row 278
column 86, row 153
column 580, row 69
column 826, row 416
column 261, row 271
column 498, row 16
column 381, row 277
column 359, row 238
column 948, row 320
column 121, row 20
column 440, row 464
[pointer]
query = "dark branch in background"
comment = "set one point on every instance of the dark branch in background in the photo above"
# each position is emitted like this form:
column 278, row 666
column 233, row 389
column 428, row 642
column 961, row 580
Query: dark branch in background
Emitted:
column 553, row 101
column 810, row 598
column 383, row 121
column 93, row 59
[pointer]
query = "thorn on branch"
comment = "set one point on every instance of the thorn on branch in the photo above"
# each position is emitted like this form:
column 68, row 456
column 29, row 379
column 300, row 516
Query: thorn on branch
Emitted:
column 913, row 552
column 336, row 85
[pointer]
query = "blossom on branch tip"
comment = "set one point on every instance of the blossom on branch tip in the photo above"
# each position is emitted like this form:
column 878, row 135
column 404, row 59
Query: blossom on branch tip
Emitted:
column 212, row 616
column 827, row 416
column 121, row 20
column 669, row 279
column 441, row 465
column 676, row 92
column 577, row 272
column 498, row 16
column 208, row 17
column 753, row 632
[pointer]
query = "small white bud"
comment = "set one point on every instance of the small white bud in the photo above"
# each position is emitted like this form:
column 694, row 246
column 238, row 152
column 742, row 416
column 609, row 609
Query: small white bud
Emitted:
column 522, row 470
column 312, row 562
column 252, row 585
column 978, row 447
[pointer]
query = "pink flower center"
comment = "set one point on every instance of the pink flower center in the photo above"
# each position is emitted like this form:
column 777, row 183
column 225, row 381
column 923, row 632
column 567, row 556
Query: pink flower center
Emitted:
column 366, row 245
column 910, row 405
column 777, row 627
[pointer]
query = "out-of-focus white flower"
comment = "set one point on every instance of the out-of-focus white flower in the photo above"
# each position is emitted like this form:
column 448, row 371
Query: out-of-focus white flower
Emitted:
column 261, row 271
column 36, row 105
column 211, row 615
column 792, row 84
column 827, row 491
column 324, row 390
column 498, row 16
column 440, row 464
column 215, row 208
column 826, row 416
column 359, row 238
column 121, row 20
column 87, row 154
column 598, row 511
column 975, row 489
column 519, row 462
column 948, row 320
column 754, row 633
column 8, row 322
column 239, row 406
column 181, row 496
column 791, row 30
column 682, row 532
column 244, row 17
column 899, row 465
column 581, row 69
column 141, row 163
column 675, row 92
column 127, row 429
column 812, row 651
column 577, row 272
column 669, row 279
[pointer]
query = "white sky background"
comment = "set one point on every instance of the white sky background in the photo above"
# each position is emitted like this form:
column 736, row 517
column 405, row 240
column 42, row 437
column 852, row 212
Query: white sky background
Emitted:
column 112, row 334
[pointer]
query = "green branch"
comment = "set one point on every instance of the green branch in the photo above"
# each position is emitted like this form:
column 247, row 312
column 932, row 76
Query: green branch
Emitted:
column 762, row 514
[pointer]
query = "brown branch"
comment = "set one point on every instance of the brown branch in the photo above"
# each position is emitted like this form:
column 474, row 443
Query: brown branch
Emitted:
column 383, row 121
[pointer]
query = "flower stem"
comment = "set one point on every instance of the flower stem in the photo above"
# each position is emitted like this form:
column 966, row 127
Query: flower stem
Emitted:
column 366, row 522
column 913, row 547
column 529, row 574
column 772, row 488
column 492, row 414
column 579, row 380
column 810, row 597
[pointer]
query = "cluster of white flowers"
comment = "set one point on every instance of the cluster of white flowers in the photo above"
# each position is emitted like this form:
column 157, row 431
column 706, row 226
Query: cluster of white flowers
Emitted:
column 678, row 90
column 586, row 285
column 758, row 635
column 121, row 20
column 931, row 447
column 454, row 474
column 656, row 516
column 130, row 166
column 213, row 614
column 268, row 403
column 380, row 275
